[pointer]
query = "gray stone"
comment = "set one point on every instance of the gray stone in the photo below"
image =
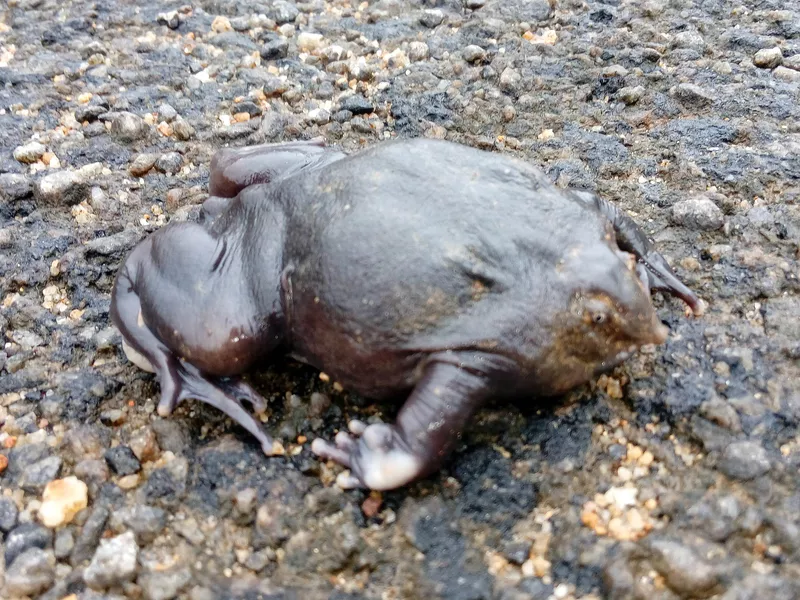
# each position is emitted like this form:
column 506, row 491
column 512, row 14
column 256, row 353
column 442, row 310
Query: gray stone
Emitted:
column 698, row 213
column 64, row 543
column 720, row 412
column 39, row 474
column 683, row 569
column 744, row 461
column 142, row 164
column 30, row 574
column 164, row 585
column 90, row 536
column 30, row 152
column 418, row 51
column 474, row 4
column 786, row 74
column 167, row 113
column 171, row 162
column 28, row 340
column 24, row 537
column 768, row 58
column 692, row 95
column 689, row 39
column 473, row 53
column 510, row 80
column 792, row 62
column 128, row 127
column 122, row 460
column 62, row 188
column 431, row 18
column 8, row 514
column 14, row 187
column 631, row 95
column 182, row 130
column 275, row 49
column 170, row 19
column 283, row 12
column 145, row 521
column 114, row 562
column 357, row 104
column 90, row 113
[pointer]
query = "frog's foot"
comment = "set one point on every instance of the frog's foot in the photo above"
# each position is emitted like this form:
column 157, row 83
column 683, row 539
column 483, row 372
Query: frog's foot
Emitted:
column 181, row 381
column 377, row 456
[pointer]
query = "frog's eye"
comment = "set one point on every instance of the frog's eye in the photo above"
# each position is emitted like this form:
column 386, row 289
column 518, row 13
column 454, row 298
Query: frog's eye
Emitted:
column 598, row 318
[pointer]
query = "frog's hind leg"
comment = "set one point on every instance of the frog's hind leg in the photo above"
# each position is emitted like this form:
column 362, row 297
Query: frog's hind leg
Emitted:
column 657, row 273
column 233, row 169
column 179, row 380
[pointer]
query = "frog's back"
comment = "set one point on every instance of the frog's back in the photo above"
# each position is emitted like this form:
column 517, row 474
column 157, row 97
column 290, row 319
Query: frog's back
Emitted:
column 422, row 243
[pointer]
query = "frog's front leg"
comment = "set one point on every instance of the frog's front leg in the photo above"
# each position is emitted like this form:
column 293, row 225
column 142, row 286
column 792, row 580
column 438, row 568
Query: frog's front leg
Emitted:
column 170, row 293
column 657, row 273
column 384, row 457
column 233, row 169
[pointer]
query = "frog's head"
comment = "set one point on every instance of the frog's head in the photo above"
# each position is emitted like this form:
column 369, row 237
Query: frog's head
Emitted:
column 610, row 314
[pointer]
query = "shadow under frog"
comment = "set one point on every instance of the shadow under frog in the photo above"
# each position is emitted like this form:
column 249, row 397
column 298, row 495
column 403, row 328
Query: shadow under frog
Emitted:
column 422, row 269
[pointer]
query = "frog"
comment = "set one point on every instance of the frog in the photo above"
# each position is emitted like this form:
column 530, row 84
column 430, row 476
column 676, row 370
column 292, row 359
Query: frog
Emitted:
column 427, row 274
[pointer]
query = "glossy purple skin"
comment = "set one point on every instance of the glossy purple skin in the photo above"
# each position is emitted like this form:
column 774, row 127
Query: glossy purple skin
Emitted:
column 415, row 269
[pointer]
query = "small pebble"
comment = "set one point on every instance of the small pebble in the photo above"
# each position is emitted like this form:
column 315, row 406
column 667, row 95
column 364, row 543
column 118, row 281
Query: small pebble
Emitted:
column 29, row 153
column 698, row 213
column 182, row 130
column 418, row 51
column 792, row 62
column 631, row 95
column 786, row 74
column 38, row 475
column 62, row 500
column 275, row 49
column 114, row 562
column 170, row 163
column 308, row 42
column 62, row 188
column 744, row 461
column 167, row 113
column 431, row 18
column 170, row 19
column 122, row 460
column 30, row 574
column 14, row 187
column 164, row 585
column 25, row 536
column 128, row 127
column 768, row 58
column 221, row 24
column 64, row 543
column 357, row 105
column 473, row 53
column 684, row 570
column 8, row 514
column 692, row 95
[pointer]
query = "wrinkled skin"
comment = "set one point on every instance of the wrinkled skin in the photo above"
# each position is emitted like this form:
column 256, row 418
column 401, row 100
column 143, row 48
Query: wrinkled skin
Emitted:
column 419, row 269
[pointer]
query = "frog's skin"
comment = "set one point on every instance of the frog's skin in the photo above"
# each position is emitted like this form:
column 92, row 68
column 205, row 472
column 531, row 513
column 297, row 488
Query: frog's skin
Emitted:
column 421, row 270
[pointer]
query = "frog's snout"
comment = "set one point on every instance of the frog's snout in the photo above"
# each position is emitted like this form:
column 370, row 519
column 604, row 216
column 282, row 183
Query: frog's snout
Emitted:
column 660, row 333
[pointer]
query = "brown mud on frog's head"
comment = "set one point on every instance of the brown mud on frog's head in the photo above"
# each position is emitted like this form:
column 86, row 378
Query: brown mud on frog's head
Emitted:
column 607, row 317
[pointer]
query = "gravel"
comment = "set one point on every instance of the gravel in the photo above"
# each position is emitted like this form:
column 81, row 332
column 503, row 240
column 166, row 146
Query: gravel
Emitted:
column 672, row 476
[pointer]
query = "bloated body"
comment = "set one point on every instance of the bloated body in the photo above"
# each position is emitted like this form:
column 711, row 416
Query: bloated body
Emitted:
column 418, row 269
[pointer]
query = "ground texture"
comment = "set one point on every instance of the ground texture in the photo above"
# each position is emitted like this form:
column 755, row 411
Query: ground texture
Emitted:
column 676, row 476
